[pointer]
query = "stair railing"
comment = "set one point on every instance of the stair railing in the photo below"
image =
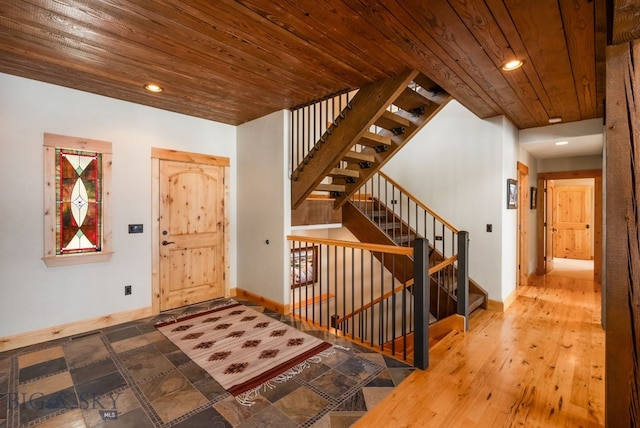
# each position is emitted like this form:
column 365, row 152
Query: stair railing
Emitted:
column 313, row 123
column 331, row 278
column 404, row 218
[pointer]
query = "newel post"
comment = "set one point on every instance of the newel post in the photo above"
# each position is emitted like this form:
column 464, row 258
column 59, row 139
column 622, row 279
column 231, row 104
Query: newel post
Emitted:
column 463, row 277
column 421, row 295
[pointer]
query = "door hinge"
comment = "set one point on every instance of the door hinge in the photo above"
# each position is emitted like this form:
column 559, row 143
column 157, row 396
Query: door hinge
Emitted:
column 545, row 224
column 224, row 275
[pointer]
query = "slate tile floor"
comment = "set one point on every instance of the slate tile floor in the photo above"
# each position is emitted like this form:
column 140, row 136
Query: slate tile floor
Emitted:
column 130, row 375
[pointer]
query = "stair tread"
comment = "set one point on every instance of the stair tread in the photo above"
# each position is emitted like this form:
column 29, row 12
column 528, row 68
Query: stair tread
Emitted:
column 330, row 187
column 436, row 93
column 359, row 157
column 389, row 120
column 377, row 213
column 404, row 239
column 410, row 99
column 424, row 81
column 372, row 140
column 343, row 172
column 475, row 301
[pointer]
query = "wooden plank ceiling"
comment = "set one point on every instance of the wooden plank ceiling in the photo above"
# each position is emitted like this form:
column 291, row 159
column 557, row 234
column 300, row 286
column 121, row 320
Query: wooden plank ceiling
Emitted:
column 234, row 61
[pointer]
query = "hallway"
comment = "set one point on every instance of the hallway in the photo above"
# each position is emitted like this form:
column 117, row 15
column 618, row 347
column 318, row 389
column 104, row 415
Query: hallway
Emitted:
column 572, row 268
column 539, row 364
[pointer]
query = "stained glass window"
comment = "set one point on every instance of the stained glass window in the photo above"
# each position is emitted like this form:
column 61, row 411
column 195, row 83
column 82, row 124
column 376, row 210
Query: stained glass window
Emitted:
column 79, row 201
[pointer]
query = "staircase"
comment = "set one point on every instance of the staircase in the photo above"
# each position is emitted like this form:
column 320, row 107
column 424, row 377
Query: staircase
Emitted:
column 365, row 134
column 338, row 148
column 370, row 219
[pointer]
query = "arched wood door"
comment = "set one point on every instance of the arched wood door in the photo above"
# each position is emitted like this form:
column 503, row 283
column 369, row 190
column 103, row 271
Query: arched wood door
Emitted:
column 190, row 265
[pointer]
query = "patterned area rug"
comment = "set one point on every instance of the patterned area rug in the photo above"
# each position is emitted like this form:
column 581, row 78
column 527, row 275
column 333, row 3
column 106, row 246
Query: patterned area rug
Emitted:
column 240, row 348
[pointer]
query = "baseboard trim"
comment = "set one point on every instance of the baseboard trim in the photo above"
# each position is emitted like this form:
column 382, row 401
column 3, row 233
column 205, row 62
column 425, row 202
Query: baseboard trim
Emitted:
column 498, row 306
column 65, row 330
column 262, row 301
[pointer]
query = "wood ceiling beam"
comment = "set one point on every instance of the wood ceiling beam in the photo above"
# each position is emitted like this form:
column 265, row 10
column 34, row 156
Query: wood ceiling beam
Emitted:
column 626, row 25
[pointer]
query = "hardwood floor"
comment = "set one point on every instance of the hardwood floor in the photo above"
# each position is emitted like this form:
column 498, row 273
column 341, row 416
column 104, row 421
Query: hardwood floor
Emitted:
column 538, row 364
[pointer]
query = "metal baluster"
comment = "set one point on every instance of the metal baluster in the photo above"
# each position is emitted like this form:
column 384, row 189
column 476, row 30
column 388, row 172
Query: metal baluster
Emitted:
column 313, row 289
column 362, row 320
column 379, row 198
column 328, row 262
column 353, row 290
column 381, row 326
column 344, row 285
column 393, row 218
column 404, row 308
column 393, row 305
column 371, row 295
column 335, row 279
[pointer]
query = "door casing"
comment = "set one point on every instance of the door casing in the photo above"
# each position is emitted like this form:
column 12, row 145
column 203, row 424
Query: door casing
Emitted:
column 596, row 174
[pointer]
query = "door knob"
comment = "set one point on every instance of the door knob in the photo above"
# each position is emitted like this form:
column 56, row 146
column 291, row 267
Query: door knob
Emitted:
column 167, row 242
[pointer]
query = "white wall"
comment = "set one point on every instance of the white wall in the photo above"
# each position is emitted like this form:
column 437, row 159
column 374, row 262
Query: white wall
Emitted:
column 264, row 206
column 509, row 248
column 575, row 163
column 532, row 163
column 36, row 297
column 458, row 166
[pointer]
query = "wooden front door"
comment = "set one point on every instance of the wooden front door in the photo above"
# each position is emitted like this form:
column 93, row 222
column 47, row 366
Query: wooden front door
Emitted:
column 192, row 227
column 572, row 222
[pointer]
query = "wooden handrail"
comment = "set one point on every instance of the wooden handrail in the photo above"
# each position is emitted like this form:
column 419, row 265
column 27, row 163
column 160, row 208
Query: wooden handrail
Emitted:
column 388, row 294
column 375, row 301
column 443, row 264
column 418, row 202
column 379, row 248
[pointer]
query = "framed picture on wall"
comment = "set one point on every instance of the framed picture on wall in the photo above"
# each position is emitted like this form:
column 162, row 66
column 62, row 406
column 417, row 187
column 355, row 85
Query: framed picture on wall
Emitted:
column 304, row 266
column 534, row 198
column 512, row 193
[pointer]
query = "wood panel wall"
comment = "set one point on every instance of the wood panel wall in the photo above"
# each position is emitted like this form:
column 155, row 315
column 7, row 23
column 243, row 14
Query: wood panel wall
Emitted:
column 622, row 266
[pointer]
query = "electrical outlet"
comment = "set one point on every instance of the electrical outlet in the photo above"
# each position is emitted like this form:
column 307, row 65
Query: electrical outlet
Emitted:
column 127, row 290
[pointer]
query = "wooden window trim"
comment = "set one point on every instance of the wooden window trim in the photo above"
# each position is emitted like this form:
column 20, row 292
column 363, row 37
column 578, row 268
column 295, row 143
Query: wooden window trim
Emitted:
column 51, row 142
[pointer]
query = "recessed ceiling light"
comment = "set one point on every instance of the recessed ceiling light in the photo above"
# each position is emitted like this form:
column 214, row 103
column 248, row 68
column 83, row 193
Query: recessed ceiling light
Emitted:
column 512, row 65
column 555, row 119
column 152, row 87
column 561, row 143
